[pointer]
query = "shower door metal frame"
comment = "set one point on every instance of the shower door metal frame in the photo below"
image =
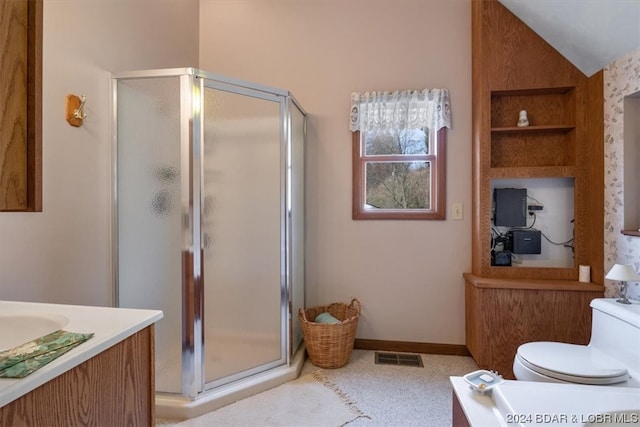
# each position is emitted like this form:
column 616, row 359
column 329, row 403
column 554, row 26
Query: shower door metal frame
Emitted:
column 192, row 85
column 207, row 81
column 291, row 102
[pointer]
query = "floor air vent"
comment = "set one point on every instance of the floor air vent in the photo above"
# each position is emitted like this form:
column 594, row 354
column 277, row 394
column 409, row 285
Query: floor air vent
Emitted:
column 399, row 359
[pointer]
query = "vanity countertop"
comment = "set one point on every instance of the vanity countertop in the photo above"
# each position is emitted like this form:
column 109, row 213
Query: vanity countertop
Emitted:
column 524, row 403
column 109, row 326
column 479, row 409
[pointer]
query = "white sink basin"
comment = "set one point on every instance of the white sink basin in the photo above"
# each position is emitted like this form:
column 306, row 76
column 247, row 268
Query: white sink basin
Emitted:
column 20, row 328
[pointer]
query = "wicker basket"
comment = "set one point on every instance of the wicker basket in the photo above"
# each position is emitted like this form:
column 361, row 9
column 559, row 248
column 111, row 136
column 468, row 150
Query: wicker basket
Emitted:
column 329, row 345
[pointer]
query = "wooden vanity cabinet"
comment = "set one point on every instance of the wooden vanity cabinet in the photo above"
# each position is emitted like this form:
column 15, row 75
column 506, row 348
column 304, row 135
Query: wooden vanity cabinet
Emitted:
column 114, row 388
column 458, row 418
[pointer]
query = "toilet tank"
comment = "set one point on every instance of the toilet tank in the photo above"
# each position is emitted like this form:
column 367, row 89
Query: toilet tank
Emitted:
column 615, row 329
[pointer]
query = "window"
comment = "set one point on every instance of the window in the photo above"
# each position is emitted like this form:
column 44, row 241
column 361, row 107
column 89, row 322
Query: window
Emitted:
column 399, row 154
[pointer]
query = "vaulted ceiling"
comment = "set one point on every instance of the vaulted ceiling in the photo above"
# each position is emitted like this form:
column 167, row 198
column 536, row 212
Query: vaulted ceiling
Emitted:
column 589, row 33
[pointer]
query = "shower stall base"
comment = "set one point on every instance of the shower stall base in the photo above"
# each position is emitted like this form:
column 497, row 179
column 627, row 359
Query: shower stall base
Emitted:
column 208, row 226
column 172, row 407
column 230, row 354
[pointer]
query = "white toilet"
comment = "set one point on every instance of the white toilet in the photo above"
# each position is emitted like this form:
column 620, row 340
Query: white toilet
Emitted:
column 611, row 358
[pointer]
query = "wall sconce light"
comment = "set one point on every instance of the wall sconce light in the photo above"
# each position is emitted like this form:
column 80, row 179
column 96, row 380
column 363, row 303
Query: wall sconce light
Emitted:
column 623, row 273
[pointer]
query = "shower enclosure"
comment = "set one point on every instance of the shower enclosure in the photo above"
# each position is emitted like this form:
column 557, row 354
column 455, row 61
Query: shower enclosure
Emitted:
column 209, row 224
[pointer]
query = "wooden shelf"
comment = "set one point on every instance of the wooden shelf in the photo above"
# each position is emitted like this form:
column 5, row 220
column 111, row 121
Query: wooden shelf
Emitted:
column 530, row 273
column 531, row 91
column 533, row 129
column 635, row 233
column 532, row 284
column 532, row 172
column 551, row 138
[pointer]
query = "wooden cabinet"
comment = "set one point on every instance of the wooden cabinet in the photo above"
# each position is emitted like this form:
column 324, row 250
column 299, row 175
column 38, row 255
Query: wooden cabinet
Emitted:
column 20, row 115
column 114, row 388
column 458, row 417
column 513, row 70
column 502, row 314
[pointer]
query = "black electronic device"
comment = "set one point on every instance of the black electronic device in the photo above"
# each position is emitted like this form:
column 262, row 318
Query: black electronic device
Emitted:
column 501, row 258
column 525, row 241
column 510, row 207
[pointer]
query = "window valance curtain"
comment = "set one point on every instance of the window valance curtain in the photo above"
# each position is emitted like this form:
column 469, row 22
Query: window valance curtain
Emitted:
column 378, row 111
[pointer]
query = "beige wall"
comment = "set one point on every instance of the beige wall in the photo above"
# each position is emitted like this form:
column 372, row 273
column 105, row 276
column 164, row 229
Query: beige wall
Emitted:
column 407, row 274
column 63, row 254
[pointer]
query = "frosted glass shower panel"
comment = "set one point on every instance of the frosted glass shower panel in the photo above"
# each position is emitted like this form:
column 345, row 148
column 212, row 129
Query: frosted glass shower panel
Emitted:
column 296, row 183
column 241, row 233
column 148, row 213
column 209, row 223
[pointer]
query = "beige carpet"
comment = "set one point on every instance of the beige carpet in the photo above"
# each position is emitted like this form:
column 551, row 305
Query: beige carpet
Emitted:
column 311, row 400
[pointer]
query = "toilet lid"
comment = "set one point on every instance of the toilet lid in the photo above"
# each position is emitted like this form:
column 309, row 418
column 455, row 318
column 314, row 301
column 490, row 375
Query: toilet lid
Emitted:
column 573, row 363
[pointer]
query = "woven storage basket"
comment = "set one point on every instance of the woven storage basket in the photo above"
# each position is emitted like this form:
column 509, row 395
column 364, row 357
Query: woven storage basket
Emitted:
column 329, row 345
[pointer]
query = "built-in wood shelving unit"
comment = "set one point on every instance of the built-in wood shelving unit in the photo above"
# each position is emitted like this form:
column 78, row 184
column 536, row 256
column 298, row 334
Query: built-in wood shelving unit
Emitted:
column 514, row 70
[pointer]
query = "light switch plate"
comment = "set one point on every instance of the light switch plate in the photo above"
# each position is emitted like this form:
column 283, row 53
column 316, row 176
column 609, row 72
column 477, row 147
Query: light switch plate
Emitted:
column 456, row 211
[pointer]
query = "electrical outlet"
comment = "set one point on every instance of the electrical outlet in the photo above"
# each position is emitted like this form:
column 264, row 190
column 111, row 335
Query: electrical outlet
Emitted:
column 456, row 209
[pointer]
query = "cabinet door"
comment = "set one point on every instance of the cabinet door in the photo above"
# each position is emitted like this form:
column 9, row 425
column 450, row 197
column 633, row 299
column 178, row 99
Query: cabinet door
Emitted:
column 20, row 120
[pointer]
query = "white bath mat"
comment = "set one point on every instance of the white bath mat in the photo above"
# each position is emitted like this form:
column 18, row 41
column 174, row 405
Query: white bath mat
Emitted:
column 310, row 400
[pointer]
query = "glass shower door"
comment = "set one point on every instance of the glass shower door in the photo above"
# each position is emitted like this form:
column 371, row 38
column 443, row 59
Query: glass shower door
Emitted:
column 242, row 232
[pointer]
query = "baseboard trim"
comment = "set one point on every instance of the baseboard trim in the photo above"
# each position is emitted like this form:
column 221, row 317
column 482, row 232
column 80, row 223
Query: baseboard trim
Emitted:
column 412, row 347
